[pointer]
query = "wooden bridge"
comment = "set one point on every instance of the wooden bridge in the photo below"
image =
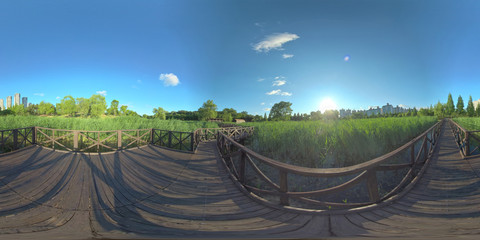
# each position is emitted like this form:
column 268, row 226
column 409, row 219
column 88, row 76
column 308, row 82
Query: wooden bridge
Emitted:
column 155, row 192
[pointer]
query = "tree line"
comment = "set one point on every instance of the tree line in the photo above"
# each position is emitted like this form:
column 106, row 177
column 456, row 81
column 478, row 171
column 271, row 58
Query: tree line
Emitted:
column 96, row 106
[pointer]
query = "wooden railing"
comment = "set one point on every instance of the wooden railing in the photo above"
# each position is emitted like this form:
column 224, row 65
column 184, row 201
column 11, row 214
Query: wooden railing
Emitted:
column 207, row 134
column 465, row 139
column 91, row 141
column 183, row 141
column 13, row 139
column 272, row 178
column 103, row 141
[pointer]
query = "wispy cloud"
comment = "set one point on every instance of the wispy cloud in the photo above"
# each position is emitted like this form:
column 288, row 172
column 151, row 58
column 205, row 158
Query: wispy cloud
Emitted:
column 267, row 109
column 57, row 97
column 262, row 103
column 279, row 92
column 261, row 79
column 274, row 41
column 139, row 81
column 285, row 56
column 39, row 94
column 103, row 92
column 169, row 79
column 279, row 82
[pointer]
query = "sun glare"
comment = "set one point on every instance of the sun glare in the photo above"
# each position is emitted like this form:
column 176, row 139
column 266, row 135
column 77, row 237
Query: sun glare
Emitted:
column 327, row 104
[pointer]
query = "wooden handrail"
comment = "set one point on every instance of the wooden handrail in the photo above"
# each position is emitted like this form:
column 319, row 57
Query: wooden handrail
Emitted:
column 365, row 171
column 462, row 137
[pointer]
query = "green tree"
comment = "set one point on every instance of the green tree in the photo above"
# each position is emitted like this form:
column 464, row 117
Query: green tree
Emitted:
column 123, row 110
column 439, row 110
column 113, row 110
column 281, row 111
column 68, row 106
column 265, row 118
column 477, row 110
column 316, row 115
column 159, row 113
column 83, row 106
column 46, row 108
column 227, row 117
column 207, row 111
column 331, row 114
column 450, row 107
column 32, row 109
column 470, row 107
column 98, row 105
column 460, row 105
column 18, row 110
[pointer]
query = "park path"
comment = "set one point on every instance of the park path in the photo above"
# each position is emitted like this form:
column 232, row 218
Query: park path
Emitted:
column 153, row 192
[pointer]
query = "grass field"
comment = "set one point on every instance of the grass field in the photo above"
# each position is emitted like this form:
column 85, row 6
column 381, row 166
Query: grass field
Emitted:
column 469, row 123
column 101, row 124
column 337, row 143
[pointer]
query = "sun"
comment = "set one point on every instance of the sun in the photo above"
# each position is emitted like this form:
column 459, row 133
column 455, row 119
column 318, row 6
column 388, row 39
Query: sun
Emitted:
column 327, row 104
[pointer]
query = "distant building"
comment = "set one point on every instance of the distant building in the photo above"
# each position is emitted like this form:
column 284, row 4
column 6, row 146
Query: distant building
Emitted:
column 387, row 109
column 25, row 102
column 215, row 120
column 2, row 106
column 239, row 120
column 475, row 103
column 9, row 102
column 17, row 99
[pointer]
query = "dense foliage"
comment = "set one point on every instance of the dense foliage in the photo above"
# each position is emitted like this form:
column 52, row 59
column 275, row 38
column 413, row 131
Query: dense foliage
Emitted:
column 470, row 124
column 334, row 143
column 106, row 123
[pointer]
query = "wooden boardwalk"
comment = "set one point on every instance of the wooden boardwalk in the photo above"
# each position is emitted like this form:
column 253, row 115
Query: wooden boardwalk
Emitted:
column 152, row 192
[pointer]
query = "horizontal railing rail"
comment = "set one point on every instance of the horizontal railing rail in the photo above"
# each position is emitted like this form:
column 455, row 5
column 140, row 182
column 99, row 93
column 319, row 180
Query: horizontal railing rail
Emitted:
column 207, row 134
column 13, row 139
column 244, row 165
column 465, row 139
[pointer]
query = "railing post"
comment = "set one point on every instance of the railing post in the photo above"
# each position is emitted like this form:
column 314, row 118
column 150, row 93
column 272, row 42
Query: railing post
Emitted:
column 467, row 143
column 138, row 137
column 283, row 188
column 242, row 167
column 372, row 185
column 192, row 144
column 15, row 139
column 98, row 141
column 53, row 138
column 169, row 139
column 152, row 131
column 75, row 140
column 34, row 135
column 119, row 139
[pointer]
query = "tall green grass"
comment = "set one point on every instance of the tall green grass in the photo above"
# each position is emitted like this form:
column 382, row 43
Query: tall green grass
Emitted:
column 469, row 123
column 335, row 143
column 101, row 124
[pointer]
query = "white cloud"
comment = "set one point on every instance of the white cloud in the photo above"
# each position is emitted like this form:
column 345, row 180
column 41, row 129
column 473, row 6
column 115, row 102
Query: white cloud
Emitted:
column 274, row 41
column 274, row 92
column 139, row 81
column 103, row 92
column 261, row 79
column 285, row 56
column 57, row 97
column 169, row 79
column 39, row 94
column 267, row 109
column 279, row 82
column 279, row 92
column 262, row 103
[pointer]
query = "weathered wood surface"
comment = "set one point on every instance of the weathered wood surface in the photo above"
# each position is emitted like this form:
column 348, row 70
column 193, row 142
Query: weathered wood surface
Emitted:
column 152, row 192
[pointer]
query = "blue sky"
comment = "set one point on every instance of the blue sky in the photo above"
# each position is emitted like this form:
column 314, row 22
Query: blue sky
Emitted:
column 242, row 54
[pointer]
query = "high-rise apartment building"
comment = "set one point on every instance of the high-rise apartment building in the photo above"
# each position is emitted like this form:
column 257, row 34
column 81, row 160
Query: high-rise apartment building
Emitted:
column 25, row 102
column 9, row 102
column 17, row 99
column 2, row 107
